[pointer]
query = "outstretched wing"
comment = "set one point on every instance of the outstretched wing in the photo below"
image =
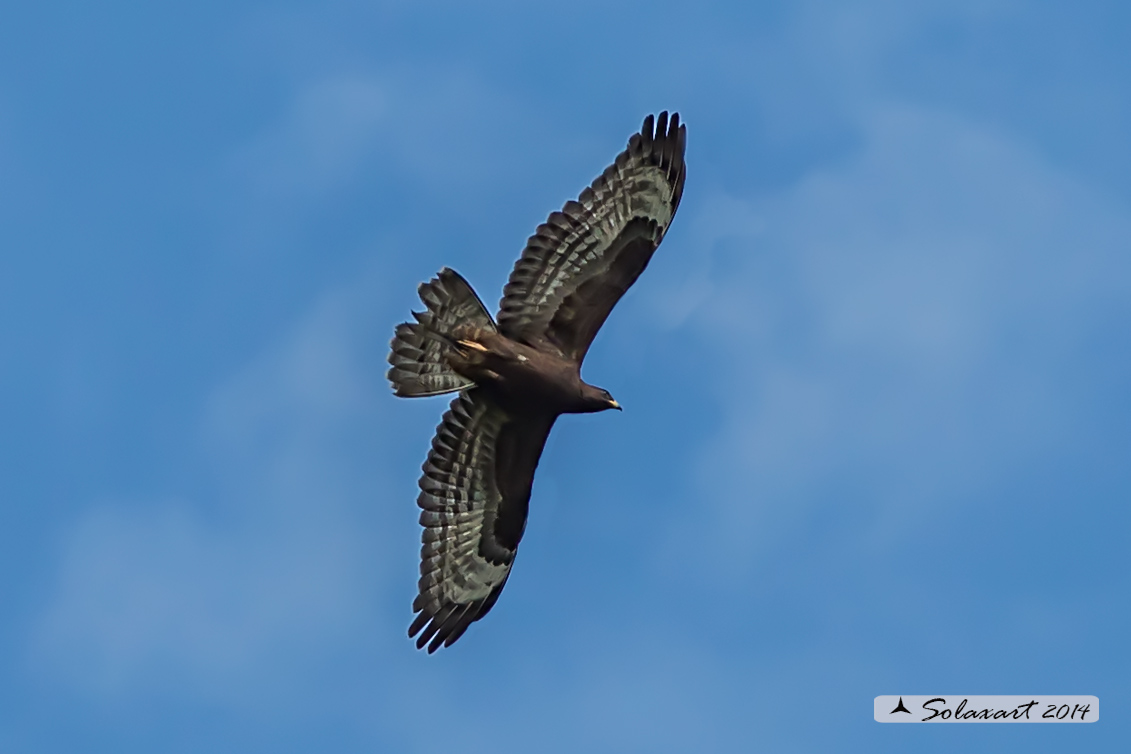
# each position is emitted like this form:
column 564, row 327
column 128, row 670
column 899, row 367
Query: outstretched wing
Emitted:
column 474, row 494
column 580, row 262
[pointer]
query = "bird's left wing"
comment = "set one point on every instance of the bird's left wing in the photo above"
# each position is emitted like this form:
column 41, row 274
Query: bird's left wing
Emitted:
column 579, row 263
column 475, row 493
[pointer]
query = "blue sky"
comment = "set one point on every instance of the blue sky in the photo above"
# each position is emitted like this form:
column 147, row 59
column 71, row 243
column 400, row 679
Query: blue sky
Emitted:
column 877, row 422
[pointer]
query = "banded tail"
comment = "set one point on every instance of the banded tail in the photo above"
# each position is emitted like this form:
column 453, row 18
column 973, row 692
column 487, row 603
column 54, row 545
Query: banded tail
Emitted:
column 420, row 349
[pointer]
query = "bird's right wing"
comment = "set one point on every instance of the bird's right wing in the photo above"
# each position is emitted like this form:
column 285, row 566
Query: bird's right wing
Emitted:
column 579, row 263
column 475, row 493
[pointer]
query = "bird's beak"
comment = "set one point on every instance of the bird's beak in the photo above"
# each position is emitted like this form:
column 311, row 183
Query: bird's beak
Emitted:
column 614, row 404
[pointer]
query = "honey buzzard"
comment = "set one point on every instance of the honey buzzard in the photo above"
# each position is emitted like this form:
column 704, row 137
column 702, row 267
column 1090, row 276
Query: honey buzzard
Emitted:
column 517, row 374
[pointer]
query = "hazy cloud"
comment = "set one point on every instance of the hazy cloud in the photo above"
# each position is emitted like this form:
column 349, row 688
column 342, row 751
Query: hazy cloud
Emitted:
column 330, row 129
column 908, row 317
column 211, row 594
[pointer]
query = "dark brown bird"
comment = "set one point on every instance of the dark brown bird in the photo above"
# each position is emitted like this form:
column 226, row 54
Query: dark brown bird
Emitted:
column 516, row 376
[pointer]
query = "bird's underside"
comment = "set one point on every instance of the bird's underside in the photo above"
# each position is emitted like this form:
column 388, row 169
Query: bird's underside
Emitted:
column 515, row 375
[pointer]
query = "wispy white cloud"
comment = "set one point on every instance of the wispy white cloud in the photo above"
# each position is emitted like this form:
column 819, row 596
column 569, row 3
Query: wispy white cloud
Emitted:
column 432, row 126
column 329, row 131
column 215, row 596
column 905, row 317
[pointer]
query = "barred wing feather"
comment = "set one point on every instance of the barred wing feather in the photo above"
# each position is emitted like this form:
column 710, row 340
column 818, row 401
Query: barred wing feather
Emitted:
column 581, row 261
column 474, row 497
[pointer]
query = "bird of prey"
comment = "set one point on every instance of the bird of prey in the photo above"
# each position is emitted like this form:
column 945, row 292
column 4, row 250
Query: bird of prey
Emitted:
column 517, row 373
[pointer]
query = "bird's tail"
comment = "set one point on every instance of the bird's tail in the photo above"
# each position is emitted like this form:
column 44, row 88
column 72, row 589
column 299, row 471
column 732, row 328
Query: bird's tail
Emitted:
column 420, row 349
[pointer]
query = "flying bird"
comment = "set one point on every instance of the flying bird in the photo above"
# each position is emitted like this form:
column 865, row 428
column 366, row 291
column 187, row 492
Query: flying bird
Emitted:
column 517, row 373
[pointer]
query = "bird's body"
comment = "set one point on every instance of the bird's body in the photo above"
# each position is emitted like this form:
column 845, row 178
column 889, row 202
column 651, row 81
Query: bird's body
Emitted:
column 521, row 379
column 516, row 375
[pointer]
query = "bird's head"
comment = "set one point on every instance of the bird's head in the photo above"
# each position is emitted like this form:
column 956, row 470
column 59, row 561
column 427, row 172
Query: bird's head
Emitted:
column 597, row 399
